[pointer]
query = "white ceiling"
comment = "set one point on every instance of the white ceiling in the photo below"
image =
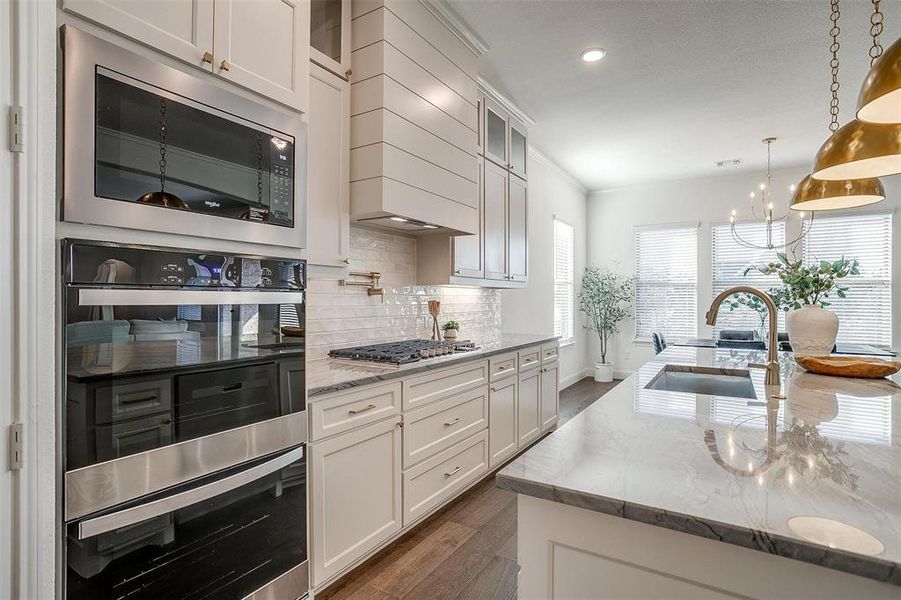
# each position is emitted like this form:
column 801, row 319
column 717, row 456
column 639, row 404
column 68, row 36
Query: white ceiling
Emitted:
column 685, row 83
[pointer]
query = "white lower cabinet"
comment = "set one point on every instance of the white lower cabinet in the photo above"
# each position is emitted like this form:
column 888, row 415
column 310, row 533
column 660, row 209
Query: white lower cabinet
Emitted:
column 355, row 493
column 502, row 420
column 529, row 407
column 550, row 395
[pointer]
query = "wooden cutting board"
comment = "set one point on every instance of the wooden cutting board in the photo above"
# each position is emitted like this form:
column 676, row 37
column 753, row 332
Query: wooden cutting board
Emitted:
column 849, row 366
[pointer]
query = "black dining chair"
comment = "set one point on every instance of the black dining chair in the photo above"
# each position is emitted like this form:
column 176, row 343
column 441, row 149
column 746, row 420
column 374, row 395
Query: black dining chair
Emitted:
column 659, row 342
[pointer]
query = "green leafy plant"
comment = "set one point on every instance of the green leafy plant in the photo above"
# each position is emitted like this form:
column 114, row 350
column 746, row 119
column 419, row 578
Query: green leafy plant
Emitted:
column 752, row 302
column 606, row 298
column 808, row 284
column 451, row 325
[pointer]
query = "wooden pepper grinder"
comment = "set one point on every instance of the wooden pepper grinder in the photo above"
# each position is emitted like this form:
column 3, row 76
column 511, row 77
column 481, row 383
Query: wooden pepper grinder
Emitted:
column 435, row 310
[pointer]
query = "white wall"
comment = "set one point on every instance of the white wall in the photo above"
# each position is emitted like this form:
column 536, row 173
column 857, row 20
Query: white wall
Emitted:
column 613, row 215
column 531, row 309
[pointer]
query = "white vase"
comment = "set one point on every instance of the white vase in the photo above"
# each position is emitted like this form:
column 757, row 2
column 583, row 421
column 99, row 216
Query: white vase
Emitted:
column 450, row 334
column 811, row 330
column 603, row 372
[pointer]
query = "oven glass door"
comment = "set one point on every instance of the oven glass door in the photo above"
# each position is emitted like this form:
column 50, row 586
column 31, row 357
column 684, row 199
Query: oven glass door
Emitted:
column 148, row 368
column 157, row 148
column 220, row 538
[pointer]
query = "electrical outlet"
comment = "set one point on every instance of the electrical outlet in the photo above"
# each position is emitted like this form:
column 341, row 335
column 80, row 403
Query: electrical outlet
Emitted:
column 627, row 355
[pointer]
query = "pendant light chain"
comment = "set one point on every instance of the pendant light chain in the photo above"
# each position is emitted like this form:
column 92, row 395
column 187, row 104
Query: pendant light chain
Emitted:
column 834, row 48
column 876, row 24
column 162, row 144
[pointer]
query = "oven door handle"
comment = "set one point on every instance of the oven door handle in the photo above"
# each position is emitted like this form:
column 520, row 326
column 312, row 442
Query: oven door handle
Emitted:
column 174, row 297
column 129, row 516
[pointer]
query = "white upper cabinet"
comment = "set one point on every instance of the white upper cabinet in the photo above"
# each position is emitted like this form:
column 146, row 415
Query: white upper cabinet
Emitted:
column 518, row 148
column 496, row 184
column 517, row 236
column 469, row 250
column 183, row 30
column 497, row 122
column 261, row 45
column 264, row 46
column 328, row 170
column 330, row 35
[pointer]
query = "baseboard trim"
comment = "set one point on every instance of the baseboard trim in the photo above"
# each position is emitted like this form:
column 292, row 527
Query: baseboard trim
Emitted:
column 622, row 374
column 575, row 378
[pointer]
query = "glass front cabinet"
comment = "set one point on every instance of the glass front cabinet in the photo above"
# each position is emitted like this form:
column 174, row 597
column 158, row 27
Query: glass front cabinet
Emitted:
column 330, row 35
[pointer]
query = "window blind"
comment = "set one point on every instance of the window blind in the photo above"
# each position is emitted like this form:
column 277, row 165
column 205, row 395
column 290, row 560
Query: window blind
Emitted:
column 666, row 271
column 729, row 259
column 563, row 281
column 865, row 315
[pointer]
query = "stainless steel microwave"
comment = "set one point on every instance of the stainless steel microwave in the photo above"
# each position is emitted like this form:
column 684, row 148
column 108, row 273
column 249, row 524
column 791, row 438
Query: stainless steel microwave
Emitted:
column 150, row 147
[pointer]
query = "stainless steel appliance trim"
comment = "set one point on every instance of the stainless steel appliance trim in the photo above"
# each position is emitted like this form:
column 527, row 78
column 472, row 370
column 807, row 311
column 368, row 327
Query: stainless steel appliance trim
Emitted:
column 83, row 53
column 142, row 512
column 167, row 297
column 107, row 484
column 290, row 585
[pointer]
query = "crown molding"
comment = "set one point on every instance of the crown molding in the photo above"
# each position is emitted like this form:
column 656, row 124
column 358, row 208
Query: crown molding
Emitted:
column 536, row 154
column 492, row 92
column 449, row 17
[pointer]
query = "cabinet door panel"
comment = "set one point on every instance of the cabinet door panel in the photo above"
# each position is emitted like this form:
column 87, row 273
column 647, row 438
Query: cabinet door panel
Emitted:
column 469, row 250
column 495, row 214
column 328, row 170
column 519, row 229
column 182, row 29
column 502, row 432
column 529, row 408
column 519, row 148
column 550, row 396
column 497, row 123
column 265, row 46
column 330, row 34
column 346, row 524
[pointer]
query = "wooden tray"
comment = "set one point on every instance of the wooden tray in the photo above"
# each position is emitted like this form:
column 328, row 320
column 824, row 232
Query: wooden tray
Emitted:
column 291, row 331
column 849, row 366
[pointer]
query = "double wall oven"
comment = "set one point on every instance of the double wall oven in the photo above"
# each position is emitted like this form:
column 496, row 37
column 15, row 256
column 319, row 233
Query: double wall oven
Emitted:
column 184, row 424
column 148, row 146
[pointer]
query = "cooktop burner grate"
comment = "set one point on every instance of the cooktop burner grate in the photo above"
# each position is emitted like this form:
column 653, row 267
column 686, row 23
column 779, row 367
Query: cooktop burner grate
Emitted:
column 404, row 352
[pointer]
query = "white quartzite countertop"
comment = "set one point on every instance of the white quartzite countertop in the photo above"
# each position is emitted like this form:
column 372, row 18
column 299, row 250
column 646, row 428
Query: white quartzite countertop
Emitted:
column 735, row 470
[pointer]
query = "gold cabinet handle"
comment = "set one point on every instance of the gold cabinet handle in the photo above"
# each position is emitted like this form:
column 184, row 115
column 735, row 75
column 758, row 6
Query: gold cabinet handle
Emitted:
column 348, row 73
column 207, row 57
column 453, row 421
column 452, row 472
column 225, row 65
column 356, row 411
column 346, row 261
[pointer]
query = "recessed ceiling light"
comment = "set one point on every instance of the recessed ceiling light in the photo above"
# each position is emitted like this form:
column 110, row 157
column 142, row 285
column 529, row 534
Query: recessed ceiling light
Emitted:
column 593, row 55
column 398, row 219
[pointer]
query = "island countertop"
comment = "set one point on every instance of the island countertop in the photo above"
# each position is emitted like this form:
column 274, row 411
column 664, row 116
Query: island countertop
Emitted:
column 815, row 476
column 334, row 375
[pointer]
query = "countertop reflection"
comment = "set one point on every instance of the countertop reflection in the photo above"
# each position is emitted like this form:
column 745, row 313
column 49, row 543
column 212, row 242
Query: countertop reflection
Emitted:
column 739, row 470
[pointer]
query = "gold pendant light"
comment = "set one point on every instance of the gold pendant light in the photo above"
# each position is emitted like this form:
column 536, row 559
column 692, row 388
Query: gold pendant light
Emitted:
column 880, row 96
column 817, row 194
column 861, row 149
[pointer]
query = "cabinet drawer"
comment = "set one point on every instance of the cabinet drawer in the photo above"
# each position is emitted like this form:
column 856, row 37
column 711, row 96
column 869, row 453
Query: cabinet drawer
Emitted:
column 549, row 353
column 438, row 478
column 529, row 358
column 502, row 366
column 135, row 399
column 347, row 410
column 442, row 424
column 421, row 390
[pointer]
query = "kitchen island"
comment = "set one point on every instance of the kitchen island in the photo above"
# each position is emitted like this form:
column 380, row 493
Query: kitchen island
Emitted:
column 659, row 493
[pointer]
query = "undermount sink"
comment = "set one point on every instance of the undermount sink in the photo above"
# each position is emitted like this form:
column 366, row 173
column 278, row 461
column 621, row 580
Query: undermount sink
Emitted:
column 704, row 380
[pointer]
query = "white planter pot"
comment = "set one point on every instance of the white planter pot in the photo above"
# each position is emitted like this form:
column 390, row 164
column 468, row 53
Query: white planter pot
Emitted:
column 811, row 330
column 450, row 334
column 603, row 372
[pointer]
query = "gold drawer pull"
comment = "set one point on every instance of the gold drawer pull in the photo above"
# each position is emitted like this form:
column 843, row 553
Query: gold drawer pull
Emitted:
column 453, row 422
column 452, row 473
column 207, row 57
column 356, row 411
column 225, row 65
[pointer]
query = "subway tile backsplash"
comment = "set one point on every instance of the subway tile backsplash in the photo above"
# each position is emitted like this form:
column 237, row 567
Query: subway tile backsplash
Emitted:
column 339, row 316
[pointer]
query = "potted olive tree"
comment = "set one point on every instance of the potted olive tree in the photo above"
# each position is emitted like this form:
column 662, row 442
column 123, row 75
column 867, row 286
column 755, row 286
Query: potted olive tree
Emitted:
column 606, row 298
column 812, row 328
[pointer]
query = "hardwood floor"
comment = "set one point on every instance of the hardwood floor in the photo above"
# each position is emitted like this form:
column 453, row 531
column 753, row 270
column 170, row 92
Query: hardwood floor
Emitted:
column 466, row 551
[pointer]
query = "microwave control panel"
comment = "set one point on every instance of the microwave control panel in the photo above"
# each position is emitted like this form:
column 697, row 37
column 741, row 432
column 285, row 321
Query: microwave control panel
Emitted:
column 281, row 185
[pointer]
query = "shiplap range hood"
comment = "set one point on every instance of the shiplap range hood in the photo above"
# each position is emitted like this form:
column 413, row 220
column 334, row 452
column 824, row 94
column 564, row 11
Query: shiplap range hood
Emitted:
column 414, row 121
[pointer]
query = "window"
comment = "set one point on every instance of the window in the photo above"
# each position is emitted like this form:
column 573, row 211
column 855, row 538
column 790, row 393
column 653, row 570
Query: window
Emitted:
column 865, row 316
column 728, row 262
column 563, row 281
column 666, row 272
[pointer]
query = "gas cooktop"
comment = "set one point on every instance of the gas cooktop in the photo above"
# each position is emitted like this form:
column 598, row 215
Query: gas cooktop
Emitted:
column 402, row 353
